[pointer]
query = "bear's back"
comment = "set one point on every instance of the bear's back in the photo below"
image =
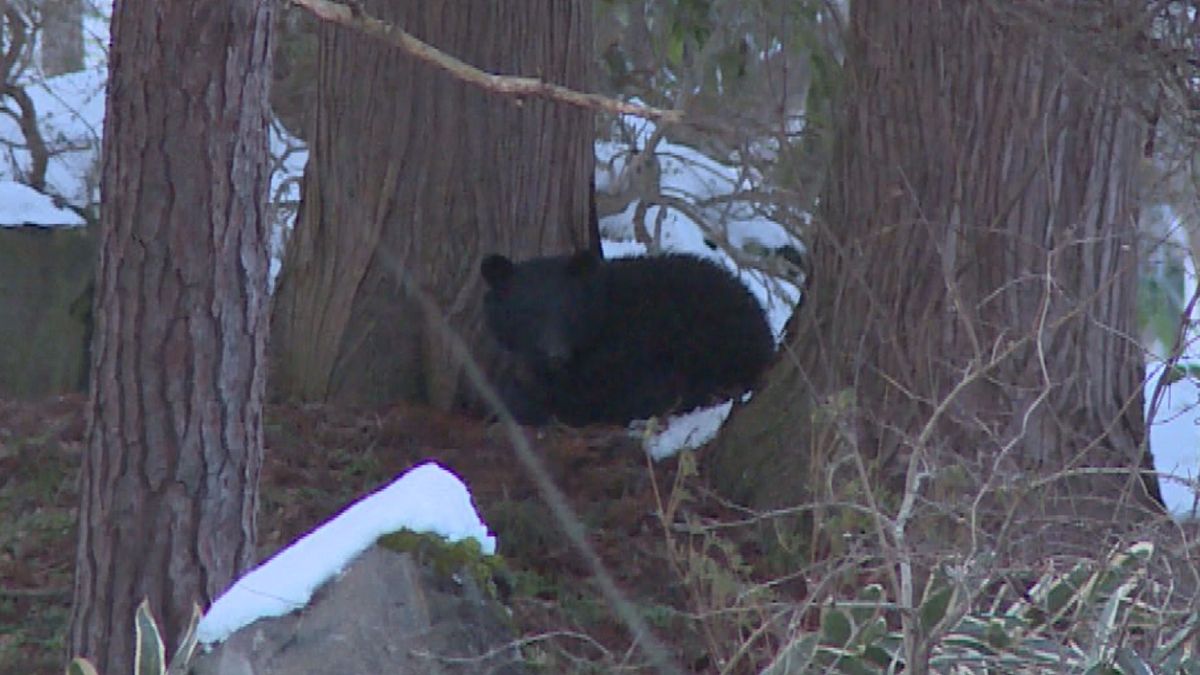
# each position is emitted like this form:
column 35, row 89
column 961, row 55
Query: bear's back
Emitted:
column 678, row 332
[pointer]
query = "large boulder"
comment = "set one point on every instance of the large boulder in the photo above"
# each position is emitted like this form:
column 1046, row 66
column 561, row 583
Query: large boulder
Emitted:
column 386, row 613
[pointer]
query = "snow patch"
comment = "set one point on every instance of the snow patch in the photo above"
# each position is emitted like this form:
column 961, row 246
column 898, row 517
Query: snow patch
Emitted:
column 427, row 498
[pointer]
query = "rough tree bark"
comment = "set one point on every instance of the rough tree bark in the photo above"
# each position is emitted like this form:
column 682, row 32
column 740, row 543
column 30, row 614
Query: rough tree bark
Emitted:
column 414, row 174
column 174, row 443
column 972, row 304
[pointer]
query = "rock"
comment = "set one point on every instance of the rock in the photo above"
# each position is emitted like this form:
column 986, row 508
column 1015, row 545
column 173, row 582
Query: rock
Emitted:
column 385, row 613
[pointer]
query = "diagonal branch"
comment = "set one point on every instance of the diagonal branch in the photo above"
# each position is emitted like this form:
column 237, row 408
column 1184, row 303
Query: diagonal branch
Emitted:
column 353, row 17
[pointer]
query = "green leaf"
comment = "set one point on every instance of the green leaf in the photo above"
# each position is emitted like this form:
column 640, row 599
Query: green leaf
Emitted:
column 183, row 655
column 1160, row 305
column 1064, row 592
column 967, row 642
column 675, row 49
column 934, row 608
column 996, row 636
column 149, row 657
column 1176, row 374
column 853, row 665
column 81, row 666
column 795, row 657
column 836, row 627
column 1130, row 663
column 870, row 631
column 869, row 600
column 878, row 656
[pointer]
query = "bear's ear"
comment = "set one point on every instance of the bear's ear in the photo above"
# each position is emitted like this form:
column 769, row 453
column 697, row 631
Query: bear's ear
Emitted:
column 582, row 263
column 496, row 270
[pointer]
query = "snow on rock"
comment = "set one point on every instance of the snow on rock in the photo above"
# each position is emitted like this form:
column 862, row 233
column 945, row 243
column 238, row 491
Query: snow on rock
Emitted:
column 426, row 498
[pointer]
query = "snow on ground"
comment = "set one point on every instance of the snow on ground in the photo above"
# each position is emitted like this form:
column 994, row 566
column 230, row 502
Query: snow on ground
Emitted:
column 694, row 177
column 687, row 431
column 70, row 112
column 22, row 205
column 426, row 498
column 1175, row 442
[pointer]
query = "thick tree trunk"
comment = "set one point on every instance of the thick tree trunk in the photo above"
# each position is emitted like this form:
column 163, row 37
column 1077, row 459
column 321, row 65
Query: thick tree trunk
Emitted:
column 413, row 177
column 62, row 36
column 174, row 445
column 972, row 305
column 45, row 309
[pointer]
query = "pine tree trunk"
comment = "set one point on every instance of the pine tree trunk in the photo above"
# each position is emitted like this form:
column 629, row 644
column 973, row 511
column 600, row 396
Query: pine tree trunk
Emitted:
column 972, row 303
column 413, row 178
column 174, row 443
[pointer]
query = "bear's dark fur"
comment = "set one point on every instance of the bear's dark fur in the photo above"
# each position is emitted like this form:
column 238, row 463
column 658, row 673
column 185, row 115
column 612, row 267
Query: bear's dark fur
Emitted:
column 617, row 340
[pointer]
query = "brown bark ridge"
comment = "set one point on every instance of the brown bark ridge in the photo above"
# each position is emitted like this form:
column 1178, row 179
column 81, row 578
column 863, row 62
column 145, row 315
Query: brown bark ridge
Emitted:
column 174, row 447
column 972, row 304
column 413, row 177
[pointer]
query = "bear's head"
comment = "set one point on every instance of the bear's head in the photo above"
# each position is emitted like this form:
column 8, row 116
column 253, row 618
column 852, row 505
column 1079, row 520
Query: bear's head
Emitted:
column 544, row 310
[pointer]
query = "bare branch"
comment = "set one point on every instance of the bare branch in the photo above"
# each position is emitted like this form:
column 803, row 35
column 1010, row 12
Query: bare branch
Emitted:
column 355, row 18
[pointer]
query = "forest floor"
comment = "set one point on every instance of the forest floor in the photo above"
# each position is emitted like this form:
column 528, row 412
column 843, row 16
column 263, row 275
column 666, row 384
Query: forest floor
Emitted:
column 321, row 458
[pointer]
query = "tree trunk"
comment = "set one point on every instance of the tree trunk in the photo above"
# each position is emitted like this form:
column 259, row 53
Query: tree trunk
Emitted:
column 413, row 178
column 174, row 443
column 972, row 303
column 45, row 306
column 62, row 37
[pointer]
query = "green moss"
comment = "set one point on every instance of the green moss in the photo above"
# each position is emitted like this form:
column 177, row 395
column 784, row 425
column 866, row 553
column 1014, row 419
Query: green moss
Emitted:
column 526, row 524
column 447, row 558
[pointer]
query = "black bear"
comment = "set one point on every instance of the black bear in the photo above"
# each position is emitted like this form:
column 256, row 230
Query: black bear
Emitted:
column 617, row 340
